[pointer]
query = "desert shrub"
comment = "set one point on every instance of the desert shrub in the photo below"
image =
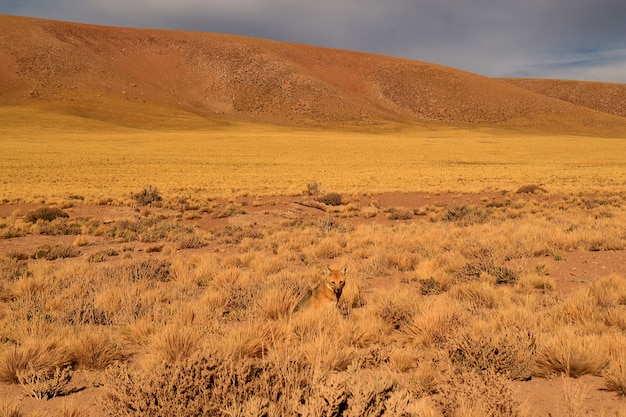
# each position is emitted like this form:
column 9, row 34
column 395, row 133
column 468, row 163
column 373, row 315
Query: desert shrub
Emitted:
column 150, row 269
column 9, row 232
column 313, row 188
column 506, row 352
column 477, row 394
column 229, row 211
column 147, row 196
column 45, row 213
column 55, row 252
column 400, row 214
column 531, row 189
column 464, row 215
column 431, row 286
column 160, row 231
column 206, row 386
column 59, row 227
column 102, row 255
column 12, row 269
column 192, row 242
column 396, row 312
column 212, row 386
column 505, row 275
column 45, row 384
column 331, row 199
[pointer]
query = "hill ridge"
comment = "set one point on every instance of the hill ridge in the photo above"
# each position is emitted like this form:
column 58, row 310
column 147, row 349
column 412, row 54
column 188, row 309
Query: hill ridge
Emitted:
column 150, row 77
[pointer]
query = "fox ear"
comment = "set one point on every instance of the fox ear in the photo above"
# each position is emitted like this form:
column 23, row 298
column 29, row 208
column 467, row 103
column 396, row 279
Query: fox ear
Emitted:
column 344, row 270
column 326, row 271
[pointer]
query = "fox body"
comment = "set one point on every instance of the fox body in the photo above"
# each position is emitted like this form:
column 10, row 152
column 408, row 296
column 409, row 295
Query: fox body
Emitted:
column 326, row 293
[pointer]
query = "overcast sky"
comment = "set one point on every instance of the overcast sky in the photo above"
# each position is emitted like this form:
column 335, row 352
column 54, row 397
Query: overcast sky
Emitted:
column 565, row 39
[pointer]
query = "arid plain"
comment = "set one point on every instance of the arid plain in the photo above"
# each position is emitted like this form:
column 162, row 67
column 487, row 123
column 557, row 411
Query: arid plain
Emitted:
column 167, row 198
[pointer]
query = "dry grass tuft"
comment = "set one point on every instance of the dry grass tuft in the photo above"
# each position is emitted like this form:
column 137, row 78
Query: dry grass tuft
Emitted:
column 175, row 343
column 571, row 354
column 96, row 350
column 33, row 356
column 9, row 409
column 615, row 377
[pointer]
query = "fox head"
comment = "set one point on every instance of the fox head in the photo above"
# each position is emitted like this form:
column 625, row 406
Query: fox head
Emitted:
column 336, row 279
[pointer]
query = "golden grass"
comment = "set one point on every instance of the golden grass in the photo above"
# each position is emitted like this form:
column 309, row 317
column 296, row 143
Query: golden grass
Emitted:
column 443, row 307
column 70, row 156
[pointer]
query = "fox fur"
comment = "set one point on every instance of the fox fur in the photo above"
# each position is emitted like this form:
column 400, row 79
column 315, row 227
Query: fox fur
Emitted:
column 326, row 293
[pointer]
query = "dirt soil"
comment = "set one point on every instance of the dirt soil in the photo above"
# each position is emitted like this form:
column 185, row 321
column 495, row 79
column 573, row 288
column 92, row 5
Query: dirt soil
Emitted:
column 543, row 397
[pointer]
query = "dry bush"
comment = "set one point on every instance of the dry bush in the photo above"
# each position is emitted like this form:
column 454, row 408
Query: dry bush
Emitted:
column 531, row 189
column 44, row 384
column 464, row 215
column 192, row 242
column 207, row 386
column 508, row 352
column 331, row 199
column 12, row 269
column 313, row 188
column 56, row 252
column 150, row 269
column 46, row 214
column 566, row 352
column 396, row 308
column 148, row 196
column 229, row 211
column 33, row 356
column 400, row 213
column 470, row 394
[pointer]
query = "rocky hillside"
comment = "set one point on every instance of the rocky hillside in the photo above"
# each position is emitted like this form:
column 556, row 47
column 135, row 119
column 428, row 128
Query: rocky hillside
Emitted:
column 136, row 76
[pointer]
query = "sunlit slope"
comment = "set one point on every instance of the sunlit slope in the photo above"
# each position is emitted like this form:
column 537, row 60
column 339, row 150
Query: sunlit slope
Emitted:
column 155, row 78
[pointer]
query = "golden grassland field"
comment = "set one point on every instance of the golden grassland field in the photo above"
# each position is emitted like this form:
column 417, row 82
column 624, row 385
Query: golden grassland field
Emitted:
column 170, row 301
column 63, row 154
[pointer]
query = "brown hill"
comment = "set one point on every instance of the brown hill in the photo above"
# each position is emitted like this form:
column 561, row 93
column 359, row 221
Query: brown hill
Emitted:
column 149, row 78
column 604, row 97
